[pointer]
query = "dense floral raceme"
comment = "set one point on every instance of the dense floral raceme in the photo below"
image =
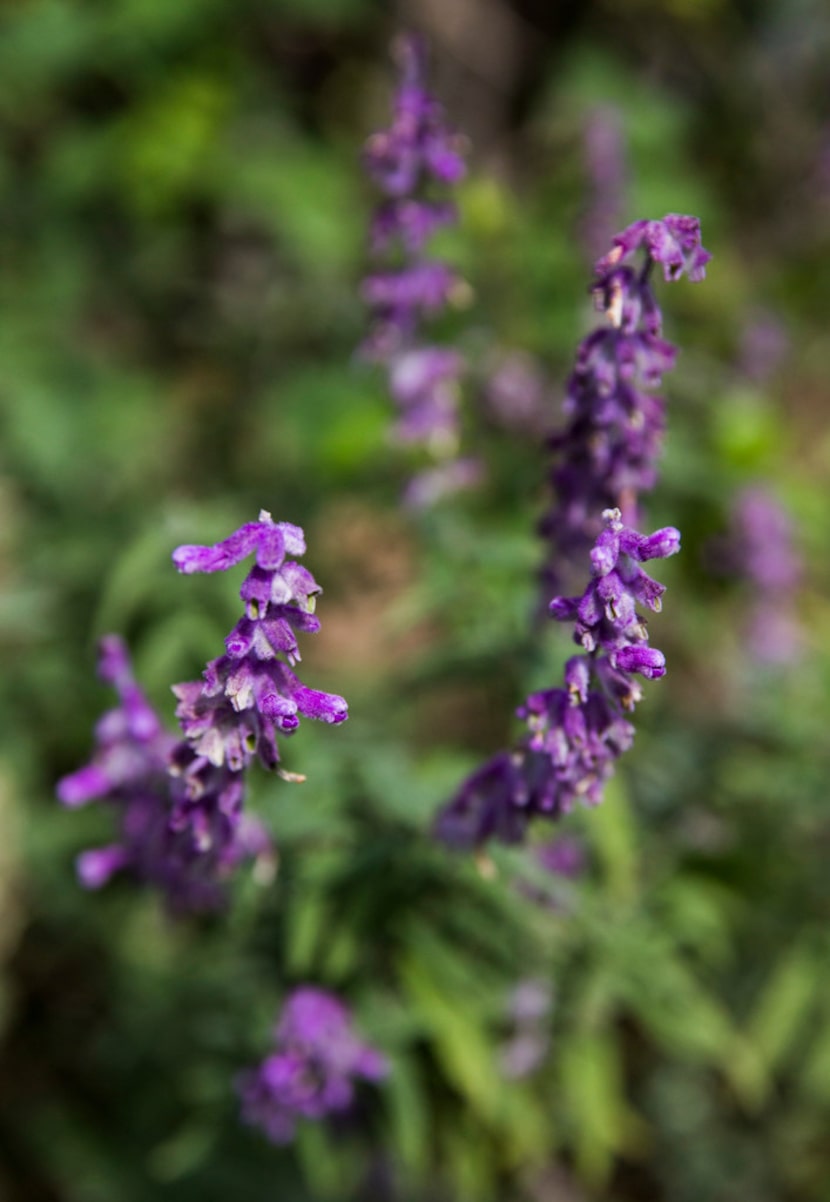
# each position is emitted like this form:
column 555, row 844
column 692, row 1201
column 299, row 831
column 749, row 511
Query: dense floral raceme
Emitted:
column 313, row 1070
column 607, row 453
column 407, row 162
column 180, row 800
column 576, row 732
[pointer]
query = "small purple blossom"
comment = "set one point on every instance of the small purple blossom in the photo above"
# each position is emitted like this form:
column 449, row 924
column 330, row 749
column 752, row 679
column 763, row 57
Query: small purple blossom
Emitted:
column 574, row 734
column 407, row 161
column 607, row 453
column 180, row 800
column 313, row 1070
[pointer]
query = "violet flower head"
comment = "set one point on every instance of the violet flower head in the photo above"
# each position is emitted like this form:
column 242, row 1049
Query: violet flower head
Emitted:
column 412, row 163
column 181, row 800
column 608, row 451
column 761, row 550
column 576, row 732
column 313, row 1071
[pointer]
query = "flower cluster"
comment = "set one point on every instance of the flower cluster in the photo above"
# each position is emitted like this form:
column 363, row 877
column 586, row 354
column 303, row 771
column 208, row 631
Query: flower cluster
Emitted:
column 574, row 733
column 313, row 1070
column 181, row 799
column 405, row 162
column 607, row 453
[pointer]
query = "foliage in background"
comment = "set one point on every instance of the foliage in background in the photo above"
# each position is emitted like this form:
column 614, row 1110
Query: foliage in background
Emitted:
column 182, row 240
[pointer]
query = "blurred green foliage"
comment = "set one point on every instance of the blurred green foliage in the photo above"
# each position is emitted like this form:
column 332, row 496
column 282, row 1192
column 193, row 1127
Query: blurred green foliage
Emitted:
column 182, row 240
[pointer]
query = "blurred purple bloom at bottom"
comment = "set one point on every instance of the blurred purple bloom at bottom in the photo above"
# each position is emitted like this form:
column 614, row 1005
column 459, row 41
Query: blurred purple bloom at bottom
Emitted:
column 314, row 1069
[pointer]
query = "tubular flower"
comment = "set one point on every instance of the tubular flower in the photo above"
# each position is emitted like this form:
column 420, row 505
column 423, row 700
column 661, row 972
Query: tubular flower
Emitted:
column 576, row 732
column 607, row 453
column 313, row 1070
column 181, row 799
column 406, row 162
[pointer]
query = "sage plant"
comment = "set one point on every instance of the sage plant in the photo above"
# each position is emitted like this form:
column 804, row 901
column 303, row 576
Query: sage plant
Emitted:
column 575, row 732
column 180, row 801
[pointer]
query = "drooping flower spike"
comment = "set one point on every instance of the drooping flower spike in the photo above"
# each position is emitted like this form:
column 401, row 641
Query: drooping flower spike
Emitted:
column 576, row 732
column 181, row 800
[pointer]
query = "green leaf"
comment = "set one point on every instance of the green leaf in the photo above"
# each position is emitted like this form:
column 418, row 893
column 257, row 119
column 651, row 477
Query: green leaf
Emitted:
column 592, row 1093
column 615, row 841
column 408, row 1110
column 461, row 1044
column 784, row 1005
column 305, row 923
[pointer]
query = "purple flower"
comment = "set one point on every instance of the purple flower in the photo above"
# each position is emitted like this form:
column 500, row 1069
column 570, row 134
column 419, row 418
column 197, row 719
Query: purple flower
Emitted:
column 607, row 453
column 575, row 733
column 312, row 1072
column 406, row 162
column 674, row 243
column 180, row 800
column 417, row 143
